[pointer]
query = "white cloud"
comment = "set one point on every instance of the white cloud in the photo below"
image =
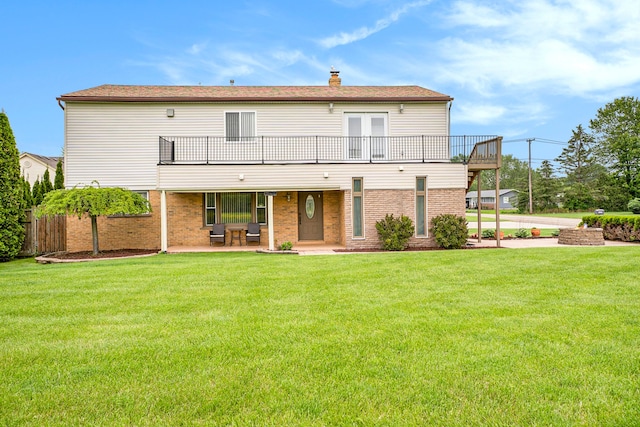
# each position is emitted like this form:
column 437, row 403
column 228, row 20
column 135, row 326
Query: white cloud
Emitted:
column 578, row 48
column 479, row 114
column 364, row 32
column 196, row 48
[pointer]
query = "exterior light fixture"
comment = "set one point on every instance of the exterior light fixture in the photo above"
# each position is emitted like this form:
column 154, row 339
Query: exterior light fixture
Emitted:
column 402, row 108
column 331, row 107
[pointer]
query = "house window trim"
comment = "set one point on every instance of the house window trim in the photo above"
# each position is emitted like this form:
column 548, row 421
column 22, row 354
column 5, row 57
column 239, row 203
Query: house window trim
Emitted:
column 217, row 199
column 143, row 193
column 359, row 194
column 249, row 139
column 425, row 194
column 365, row 117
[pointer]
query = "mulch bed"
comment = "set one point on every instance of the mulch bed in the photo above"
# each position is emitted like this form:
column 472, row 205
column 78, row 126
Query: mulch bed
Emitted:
column 88, row 255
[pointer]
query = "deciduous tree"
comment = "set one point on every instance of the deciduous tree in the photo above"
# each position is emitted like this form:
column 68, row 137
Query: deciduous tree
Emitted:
column 94, row 202
column 616, row 128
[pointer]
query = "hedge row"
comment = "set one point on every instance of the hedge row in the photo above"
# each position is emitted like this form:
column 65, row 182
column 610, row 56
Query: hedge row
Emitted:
column 625, row 228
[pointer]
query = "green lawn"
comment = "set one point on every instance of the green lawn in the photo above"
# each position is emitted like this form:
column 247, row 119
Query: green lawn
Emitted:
column 452, row 338
column 544, row 232
column 578, row 215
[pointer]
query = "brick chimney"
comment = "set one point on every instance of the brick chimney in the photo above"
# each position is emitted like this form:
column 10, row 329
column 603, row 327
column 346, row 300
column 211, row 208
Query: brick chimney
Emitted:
column 334, row 80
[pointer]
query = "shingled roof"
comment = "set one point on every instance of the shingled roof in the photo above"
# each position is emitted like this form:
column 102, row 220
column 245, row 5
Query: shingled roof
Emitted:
column 124, row 93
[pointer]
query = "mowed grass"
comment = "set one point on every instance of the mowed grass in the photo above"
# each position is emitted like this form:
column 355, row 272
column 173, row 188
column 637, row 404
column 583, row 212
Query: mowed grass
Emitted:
column 456, row 338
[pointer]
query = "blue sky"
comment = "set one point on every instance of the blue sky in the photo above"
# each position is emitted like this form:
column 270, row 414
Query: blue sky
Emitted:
column 520, row 69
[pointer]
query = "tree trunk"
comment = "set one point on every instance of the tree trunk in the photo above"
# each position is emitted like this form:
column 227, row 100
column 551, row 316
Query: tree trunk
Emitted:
column 94, row 233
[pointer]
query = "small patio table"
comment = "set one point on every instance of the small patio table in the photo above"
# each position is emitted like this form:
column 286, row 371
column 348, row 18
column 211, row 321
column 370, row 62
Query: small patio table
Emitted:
column 233, row 229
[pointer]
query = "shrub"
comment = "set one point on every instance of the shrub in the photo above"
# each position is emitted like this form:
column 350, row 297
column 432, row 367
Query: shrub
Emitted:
column 522, row 233
column 634, row 206
column 394, row 233
column 489, row 233
column 450, row 231
column 625, row 228
column 286, row 246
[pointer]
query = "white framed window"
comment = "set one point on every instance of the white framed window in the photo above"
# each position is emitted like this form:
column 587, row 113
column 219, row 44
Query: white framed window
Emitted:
column 366, row 136
column 261, row 208
column 422, row 228
column 234, row 208
column 240, row 126
column 357, row 198
column 210, row 208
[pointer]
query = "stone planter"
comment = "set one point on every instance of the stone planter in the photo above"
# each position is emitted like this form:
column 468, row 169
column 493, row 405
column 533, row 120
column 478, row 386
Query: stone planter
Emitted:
column 581, row 236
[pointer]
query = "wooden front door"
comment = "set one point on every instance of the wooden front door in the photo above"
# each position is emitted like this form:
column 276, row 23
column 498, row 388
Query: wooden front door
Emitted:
column 310, row 225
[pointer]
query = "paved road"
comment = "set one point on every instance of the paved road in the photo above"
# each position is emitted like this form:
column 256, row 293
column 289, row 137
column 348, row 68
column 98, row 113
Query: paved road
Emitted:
column 526, row 221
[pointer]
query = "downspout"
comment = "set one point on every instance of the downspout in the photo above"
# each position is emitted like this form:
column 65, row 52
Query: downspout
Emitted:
column 60, row 104
column 449, row 118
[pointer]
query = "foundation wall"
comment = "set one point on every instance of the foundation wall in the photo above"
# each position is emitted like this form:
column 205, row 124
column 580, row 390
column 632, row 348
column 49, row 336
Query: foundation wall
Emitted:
column 379, row 203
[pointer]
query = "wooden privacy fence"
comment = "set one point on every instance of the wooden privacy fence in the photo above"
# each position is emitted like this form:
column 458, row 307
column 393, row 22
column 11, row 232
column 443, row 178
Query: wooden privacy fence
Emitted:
column 45, row 235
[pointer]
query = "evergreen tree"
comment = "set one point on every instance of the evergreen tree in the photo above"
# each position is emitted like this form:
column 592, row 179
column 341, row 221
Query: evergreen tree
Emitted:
column 27, row 197
column 547, row 188
column 38, row 196
column 46, row 183
column 11, row 199
column 576, row 158
column 580, row 188
column 58, row 182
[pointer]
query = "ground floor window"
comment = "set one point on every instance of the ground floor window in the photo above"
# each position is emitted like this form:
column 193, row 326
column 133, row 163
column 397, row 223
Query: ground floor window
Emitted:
column 421, row 206
column 357, row 203
column 234, row 208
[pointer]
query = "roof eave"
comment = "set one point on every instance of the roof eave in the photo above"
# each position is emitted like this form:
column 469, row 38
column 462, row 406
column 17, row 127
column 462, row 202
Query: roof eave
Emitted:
column 409, row 99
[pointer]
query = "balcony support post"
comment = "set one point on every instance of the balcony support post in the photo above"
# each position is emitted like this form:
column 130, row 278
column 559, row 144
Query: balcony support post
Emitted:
column 164, row 243
column 272, row 239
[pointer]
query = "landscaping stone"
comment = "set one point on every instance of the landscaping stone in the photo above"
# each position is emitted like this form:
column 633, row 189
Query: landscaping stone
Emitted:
column 581, row 236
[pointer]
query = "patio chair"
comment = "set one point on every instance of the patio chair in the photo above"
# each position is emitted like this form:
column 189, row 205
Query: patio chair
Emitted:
column 253, row 233
column 217, row 234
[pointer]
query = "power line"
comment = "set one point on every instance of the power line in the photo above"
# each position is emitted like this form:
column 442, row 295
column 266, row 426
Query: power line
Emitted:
column 536, row 139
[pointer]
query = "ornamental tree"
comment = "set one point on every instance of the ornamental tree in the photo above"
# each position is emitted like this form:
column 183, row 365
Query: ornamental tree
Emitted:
column 94, row 202
column 11, row 200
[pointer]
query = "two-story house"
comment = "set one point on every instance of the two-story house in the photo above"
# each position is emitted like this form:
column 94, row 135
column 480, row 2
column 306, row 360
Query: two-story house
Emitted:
column 315, row 164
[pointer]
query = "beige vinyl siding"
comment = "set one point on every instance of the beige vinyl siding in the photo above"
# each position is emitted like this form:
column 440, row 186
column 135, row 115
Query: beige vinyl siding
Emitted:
column 116, row 144
column 301, row 177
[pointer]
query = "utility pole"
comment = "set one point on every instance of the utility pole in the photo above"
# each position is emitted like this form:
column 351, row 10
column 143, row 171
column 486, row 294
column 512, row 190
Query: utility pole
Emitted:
column 530, row 184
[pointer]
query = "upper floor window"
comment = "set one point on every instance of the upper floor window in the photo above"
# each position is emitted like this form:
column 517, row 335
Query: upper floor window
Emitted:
column 367, row 136
column 240, row 125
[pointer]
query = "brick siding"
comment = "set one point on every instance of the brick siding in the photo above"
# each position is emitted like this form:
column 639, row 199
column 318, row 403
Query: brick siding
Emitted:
column 117, row 232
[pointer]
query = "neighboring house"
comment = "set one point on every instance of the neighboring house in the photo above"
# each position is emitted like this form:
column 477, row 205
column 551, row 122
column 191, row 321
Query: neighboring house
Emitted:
column 314, row 164
column 33, row 167
column 508, row 199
